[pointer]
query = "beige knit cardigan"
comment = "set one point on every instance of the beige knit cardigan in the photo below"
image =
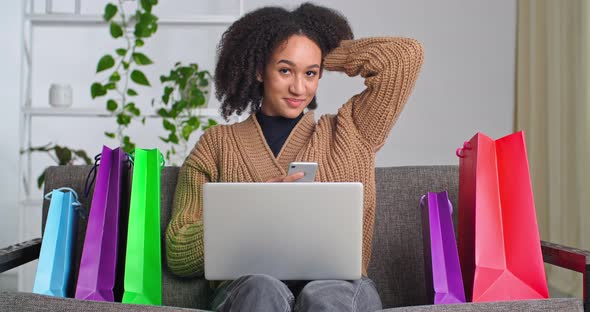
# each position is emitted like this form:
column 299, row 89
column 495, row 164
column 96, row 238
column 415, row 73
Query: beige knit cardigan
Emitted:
column 344, row 145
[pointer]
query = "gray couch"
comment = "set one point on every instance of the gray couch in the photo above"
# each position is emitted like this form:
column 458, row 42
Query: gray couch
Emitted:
column 397, row 266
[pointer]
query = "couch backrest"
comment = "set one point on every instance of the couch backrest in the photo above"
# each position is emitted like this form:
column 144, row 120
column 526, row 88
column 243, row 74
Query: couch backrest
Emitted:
column 397, row 264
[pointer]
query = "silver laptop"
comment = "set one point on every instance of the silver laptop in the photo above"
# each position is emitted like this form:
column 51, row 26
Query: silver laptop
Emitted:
column 291, row 231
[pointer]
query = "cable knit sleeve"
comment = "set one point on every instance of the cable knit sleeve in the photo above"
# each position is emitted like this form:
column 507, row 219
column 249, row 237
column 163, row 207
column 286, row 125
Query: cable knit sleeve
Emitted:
column 390, row 67
column 184, row 235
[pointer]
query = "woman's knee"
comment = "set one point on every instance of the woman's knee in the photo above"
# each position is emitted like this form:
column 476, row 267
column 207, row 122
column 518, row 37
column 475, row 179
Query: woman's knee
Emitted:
column 256, row 292
column 325, row 295
column 360, row 295
column 261, row 282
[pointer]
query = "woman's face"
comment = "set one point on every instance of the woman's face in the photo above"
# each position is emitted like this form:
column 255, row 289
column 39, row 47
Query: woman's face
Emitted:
column 291, row 77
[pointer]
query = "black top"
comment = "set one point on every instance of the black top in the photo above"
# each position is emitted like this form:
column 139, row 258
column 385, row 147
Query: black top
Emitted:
column 276, row 129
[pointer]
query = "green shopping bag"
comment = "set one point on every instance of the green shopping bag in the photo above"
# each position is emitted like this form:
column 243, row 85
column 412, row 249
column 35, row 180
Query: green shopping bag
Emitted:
column 143, row 264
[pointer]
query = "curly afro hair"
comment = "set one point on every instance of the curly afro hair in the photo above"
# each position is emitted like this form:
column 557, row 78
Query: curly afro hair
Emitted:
column 247, row 45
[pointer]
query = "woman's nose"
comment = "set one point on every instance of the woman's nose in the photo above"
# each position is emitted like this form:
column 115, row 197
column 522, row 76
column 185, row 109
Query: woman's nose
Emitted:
column 297, row 86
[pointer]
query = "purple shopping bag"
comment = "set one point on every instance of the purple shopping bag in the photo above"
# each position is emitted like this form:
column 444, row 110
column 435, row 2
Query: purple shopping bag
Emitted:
column 444, row 283
column 98, row 265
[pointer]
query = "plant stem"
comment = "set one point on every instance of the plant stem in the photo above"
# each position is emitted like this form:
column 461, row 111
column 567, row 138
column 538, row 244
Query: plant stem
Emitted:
column 123, row 93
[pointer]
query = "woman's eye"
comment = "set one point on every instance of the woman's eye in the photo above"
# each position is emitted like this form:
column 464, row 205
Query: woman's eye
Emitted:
column 284, row 70
column 311, row 73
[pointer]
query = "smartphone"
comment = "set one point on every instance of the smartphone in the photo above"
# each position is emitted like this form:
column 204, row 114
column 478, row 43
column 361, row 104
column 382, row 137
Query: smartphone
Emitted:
column 308, row 168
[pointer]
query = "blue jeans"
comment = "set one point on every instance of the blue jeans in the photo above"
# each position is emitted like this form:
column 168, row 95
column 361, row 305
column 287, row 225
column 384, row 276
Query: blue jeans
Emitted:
column 265, row 293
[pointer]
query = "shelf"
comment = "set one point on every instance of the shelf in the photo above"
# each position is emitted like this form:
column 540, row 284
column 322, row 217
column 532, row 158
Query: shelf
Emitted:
column 97, row 112
column 97, row 20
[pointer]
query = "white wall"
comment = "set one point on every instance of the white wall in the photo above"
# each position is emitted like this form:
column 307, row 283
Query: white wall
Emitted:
column 466, row 84
column 10, row 21
column 467, row 81
column 9, row 89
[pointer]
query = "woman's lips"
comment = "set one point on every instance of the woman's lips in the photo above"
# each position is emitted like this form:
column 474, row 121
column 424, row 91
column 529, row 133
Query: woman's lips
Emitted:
column 293, row 103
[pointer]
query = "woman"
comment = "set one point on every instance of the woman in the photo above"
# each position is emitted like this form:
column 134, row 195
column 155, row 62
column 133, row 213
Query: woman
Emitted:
column 271, row 61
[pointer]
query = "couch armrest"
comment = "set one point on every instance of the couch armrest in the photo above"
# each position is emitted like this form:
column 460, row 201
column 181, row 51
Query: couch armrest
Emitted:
column 18, row 254
column 570, row 258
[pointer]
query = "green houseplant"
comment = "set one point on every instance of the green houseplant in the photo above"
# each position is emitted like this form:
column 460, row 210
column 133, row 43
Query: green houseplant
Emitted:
column 123, row 67
column 62, row 155
column 186, row 91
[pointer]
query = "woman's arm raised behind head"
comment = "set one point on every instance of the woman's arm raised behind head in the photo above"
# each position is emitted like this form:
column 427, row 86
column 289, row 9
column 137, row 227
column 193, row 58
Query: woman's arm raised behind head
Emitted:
column 390, row 67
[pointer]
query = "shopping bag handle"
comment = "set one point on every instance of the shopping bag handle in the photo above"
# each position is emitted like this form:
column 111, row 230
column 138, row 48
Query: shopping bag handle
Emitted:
column 162, row 160
column 82, row 213
column 423, row 203
column 130, row 159
column 459, row 151
column 93, row 173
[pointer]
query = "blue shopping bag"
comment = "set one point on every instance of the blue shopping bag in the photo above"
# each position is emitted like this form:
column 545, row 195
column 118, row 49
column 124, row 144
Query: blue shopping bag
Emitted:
column 55, row 258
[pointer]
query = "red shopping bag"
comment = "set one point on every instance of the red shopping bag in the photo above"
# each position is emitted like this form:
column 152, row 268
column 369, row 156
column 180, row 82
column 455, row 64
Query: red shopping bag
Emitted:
column 499, row 244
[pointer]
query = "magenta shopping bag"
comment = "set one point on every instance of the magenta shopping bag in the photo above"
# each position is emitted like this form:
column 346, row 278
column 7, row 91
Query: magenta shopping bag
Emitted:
column 444, row 282
column 98, row 265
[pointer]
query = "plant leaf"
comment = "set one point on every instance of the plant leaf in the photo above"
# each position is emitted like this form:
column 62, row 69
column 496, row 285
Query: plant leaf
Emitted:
column 141, row 30
column 64, row 155
column 132, row 109
column 168, row 125
column 141, row 59
column 82, row 154
column 198, row 100
column 139, row 42
column 105, row 63
column 115, row 77
column 186, row 132
column 139, row 78
column 110, row 86
column 164, row 139
column 112, row 105
column 41, row 179
column 96, row 90
column 212, row 123
column 146, row 5
column 109, row 11
column 131, row 92
column 110, row 135
column 116, row 30
column 162, row 113
column 128, row 146
column 125, row 65
column 123, row 119
column 173, row 138
column 180, row 105
column 121, row 51
column 194, row 122
column 166, row 96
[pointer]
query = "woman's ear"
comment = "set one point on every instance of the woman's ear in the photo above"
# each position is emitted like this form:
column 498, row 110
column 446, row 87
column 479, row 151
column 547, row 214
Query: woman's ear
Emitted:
column 258, row 76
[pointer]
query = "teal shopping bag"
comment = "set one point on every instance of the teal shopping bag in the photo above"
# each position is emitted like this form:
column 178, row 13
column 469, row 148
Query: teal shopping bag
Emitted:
column 54, row 266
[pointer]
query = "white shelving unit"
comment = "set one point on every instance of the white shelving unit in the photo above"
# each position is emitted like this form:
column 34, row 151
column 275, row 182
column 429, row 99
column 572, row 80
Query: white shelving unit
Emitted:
column 89, row 20
column 95, row 112
column 30, row 112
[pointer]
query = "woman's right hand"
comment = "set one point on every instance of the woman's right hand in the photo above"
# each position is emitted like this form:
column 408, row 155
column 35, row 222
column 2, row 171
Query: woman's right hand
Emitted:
column 291, row 178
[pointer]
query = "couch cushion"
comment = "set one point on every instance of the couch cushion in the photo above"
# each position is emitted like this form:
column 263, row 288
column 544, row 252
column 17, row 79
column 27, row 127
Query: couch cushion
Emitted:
column 19, row 301
column 397, row 264
column 556, row 304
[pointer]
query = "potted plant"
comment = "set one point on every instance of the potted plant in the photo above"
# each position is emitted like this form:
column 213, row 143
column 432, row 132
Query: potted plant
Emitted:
column 125, row 64
column 186, row 91
column 62, row 155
